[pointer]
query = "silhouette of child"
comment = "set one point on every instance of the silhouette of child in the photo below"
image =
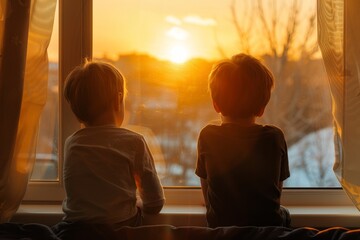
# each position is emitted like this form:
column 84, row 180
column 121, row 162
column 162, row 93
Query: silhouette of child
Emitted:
column 242, row 164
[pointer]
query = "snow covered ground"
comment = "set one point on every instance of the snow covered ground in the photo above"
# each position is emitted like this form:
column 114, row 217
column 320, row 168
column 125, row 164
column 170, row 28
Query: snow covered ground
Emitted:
column 311, row 160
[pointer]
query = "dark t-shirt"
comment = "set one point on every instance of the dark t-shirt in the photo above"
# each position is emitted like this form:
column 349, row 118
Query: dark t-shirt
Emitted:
column 243, row 167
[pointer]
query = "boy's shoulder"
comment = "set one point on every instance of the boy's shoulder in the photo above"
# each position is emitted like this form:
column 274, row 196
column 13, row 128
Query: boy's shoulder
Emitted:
column 215, row 127
column 273, row 129
column 105, row 132
column 106, row 129
column 258, row 129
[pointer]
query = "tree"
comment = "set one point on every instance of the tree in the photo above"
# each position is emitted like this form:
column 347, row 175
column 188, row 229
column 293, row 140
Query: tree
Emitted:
column 284, row 37
column 288, row 46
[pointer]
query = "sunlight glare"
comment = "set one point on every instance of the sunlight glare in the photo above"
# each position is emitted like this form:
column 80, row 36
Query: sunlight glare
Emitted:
column 178, row 54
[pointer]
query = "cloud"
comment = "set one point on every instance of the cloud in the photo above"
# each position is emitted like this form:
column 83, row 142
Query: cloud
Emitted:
column 191, row 19
column 177, row 33
column 173, row 20
column 199, row 20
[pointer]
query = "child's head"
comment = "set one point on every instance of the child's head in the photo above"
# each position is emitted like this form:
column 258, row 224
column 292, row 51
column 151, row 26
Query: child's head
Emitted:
column 94, row 89
column 240, row 87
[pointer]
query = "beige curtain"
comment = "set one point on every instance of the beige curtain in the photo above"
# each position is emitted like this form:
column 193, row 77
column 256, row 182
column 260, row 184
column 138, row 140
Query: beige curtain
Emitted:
column 339, row 40
column 25, row 31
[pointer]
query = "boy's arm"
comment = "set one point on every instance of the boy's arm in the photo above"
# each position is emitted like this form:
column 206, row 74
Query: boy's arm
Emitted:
column 204, row 188
column 149, row 209
column 147, row 181
column 200, row 171
column 280, row 185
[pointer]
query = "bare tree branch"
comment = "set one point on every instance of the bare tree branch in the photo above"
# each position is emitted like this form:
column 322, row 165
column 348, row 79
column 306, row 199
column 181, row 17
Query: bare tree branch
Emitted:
column 308, row 52
column 290, row 31
column 271, row 37
column 274, row 22
column 243, row 30
column 218, row 45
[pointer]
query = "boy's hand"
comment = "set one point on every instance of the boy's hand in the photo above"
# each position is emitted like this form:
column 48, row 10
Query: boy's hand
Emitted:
column 139, row 202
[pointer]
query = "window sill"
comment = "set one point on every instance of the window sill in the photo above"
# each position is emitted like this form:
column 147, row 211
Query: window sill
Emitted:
column 192, row 215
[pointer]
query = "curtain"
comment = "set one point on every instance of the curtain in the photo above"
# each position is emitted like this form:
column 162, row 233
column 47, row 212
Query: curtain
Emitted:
column 25, row 31
column 339, row 41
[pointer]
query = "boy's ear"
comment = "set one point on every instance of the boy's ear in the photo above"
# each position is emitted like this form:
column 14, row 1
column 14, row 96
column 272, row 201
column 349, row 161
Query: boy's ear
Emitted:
column 261, row 112
column 118, row 101
column 216, row 107
column 120, row 97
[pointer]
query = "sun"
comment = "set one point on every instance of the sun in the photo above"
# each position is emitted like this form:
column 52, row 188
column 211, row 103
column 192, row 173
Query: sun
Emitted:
column 178, row 54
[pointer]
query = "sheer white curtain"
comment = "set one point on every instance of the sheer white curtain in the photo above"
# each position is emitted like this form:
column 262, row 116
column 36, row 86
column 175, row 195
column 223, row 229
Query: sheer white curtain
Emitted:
column 339, row 39
column 25, row 31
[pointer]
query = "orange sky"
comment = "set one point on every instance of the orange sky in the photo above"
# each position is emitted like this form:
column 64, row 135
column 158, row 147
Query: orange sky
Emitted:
column 169, row 29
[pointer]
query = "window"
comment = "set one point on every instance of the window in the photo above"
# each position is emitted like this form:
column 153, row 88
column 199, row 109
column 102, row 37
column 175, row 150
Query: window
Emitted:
column 166, row 49
column 47, row 152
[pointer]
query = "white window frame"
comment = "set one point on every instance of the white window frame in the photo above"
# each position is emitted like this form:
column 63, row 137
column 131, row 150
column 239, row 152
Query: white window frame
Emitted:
column 75, row 44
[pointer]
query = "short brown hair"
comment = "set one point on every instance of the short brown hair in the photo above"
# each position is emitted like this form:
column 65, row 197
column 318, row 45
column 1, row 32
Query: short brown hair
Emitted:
column 92, row 88
column 240, row 87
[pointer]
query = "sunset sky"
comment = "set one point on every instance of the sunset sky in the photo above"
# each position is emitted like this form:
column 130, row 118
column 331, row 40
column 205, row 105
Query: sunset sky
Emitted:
column 174, row 30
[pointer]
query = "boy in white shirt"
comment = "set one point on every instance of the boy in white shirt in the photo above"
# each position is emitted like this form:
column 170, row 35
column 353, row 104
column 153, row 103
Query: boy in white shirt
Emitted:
column 104, row 164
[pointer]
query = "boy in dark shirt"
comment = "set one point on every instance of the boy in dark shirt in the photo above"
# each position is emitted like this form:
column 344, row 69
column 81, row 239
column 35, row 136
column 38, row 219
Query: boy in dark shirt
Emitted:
column 241, row 164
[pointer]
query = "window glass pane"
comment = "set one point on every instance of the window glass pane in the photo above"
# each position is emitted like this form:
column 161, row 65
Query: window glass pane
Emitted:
column 46, row 163
column 166, row 49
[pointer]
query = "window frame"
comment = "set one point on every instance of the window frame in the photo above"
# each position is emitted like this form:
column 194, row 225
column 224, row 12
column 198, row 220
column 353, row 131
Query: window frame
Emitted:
column 75, row 45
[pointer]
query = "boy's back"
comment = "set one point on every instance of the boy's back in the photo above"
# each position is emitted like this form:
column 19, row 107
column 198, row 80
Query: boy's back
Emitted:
column 100, row 163
column 243, row 167
column 241, row 164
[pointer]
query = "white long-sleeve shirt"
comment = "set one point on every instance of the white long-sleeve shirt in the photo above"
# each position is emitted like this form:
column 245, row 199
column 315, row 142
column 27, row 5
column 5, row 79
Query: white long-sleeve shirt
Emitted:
column 103, row 168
